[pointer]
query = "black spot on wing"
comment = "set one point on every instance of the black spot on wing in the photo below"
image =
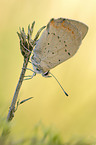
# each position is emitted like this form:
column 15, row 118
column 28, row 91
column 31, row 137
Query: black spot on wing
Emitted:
column 53, row 33
column 68, row 53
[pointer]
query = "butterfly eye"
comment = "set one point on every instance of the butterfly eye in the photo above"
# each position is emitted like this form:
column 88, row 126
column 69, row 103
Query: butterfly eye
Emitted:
column 46, row 73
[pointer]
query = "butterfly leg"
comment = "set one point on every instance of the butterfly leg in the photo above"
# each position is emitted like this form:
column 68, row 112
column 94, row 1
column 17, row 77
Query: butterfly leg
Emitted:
column 30, row 76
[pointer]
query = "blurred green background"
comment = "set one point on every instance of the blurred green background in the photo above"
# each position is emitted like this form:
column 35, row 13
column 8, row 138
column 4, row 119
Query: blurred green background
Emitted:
column 71, row 116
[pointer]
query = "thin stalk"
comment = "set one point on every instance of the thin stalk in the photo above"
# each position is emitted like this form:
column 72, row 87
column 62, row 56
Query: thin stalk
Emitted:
column 26, row 47
column 14, row 100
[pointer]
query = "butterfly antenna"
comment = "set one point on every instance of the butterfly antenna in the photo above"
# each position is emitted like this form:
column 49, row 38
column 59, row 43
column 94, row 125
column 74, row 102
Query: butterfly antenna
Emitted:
column 59, row 84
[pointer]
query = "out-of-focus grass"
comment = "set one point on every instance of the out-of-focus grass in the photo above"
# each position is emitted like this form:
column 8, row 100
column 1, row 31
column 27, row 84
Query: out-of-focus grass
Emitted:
column 41, row 136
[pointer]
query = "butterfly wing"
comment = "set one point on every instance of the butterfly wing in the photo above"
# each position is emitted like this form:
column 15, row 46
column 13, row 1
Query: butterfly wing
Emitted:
column 59, row 42
column 82, row 28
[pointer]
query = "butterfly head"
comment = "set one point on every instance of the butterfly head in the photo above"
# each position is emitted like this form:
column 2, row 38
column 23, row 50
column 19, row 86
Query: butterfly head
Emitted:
column 39, row 70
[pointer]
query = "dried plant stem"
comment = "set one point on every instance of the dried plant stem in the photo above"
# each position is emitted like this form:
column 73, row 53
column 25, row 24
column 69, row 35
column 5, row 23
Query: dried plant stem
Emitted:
column 26, row 47
column 14, row 100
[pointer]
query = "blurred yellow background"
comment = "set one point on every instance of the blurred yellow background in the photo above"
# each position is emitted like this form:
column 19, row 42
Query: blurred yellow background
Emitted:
column 71, row 116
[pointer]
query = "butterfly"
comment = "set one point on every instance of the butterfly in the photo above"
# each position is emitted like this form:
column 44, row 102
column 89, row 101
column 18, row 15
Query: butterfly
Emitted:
column 58, row 42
